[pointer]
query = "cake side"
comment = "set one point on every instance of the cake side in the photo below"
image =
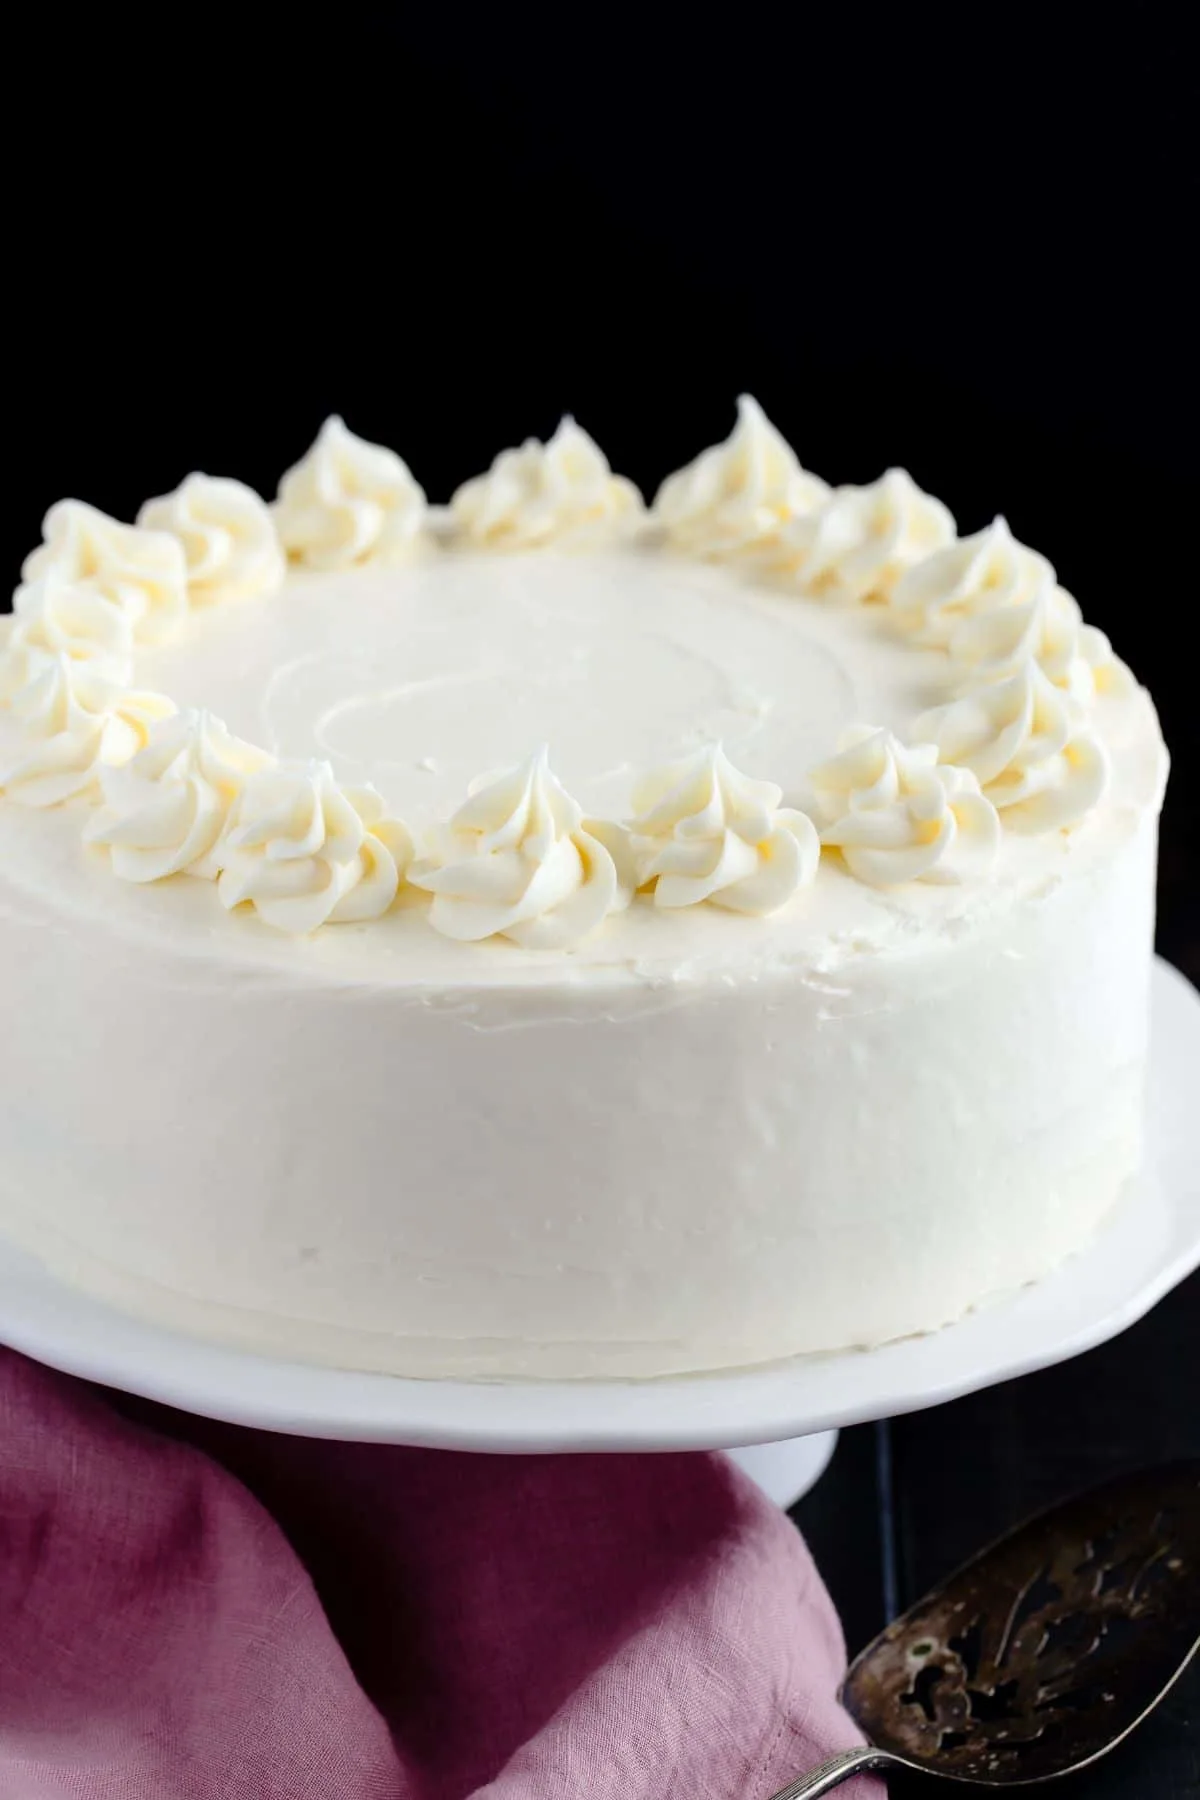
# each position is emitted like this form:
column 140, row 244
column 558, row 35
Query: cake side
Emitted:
column 616, row 1170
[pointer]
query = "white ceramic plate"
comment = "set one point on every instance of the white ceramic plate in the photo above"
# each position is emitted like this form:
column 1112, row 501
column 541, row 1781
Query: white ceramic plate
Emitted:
column 1150, row 1244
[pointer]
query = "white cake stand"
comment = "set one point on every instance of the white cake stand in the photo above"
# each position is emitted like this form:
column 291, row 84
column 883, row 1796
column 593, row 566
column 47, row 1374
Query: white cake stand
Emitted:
column 787, row 1413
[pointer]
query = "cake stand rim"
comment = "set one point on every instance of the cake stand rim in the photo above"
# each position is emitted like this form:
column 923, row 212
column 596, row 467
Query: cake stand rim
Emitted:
column 69, row 1331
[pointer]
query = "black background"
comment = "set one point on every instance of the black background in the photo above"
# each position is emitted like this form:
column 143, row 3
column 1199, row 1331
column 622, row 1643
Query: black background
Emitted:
column 958, row 243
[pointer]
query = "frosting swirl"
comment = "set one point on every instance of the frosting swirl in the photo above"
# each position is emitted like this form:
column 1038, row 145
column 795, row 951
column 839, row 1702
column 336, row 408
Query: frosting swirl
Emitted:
column 1046, row 628
column 1027, row 743
column 348, row 502
column 228, row 536
column 305, row 852
column 858, row 544
column 895, row 815
column 74, row 721
column 562, row 491
column 978, row 574
column 53, row 617
column 739, row 495
column 1111, row 678
column 518, row 860
column 141, row 572
column 165, row 809
column 704, row 831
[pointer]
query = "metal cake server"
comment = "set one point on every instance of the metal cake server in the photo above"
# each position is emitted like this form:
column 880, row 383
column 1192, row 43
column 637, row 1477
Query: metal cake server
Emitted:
column 1043, row 1653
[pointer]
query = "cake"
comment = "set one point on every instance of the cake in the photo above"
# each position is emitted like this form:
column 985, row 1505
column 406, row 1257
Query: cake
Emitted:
column 556, row 936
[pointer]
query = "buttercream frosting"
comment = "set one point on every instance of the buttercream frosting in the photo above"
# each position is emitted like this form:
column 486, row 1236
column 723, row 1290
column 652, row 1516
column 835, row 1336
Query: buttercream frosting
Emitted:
column 1045, row 628
column 305, row 852
column 895, row 815
column 142, row 572
column 54, row 616
column 164, row 811
column 1030, row 746
column 1110, row 676
column 977, row 574
column 73, row 721
column 562, row 492
column 857, row 545
column 518, row 860
column 228, row 536
column 740, row 496
column 349, row 502
column 704, row 831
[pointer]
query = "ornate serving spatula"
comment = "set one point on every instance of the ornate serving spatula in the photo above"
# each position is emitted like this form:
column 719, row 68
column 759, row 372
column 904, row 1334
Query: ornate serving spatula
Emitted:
column 1041, row 1654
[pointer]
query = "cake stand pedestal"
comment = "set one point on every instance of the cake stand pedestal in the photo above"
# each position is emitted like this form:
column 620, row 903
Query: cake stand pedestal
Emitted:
column 786, row 1471
column 1151, row 1242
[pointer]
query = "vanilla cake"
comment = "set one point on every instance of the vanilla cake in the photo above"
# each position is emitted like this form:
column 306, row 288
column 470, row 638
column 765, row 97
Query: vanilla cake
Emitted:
column 555, row 936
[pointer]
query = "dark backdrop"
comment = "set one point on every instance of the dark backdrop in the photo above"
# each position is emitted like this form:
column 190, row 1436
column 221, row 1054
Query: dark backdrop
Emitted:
column 962, row 248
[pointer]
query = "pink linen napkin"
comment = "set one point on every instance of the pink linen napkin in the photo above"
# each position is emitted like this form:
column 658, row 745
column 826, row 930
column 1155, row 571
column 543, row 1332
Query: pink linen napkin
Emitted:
column 197, row 1612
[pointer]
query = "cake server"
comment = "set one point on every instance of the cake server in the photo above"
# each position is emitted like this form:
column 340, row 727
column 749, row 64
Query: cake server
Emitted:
column 1043, row 1653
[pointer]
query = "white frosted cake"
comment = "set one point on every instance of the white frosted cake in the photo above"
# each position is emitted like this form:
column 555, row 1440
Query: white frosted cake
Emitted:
column 553, row 936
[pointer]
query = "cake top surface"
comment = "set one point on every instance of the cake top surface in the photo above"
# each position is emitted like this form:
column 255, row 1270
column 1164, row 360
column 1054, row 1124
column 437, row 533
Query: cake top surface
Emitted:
column 423, row 677
column 765, row 723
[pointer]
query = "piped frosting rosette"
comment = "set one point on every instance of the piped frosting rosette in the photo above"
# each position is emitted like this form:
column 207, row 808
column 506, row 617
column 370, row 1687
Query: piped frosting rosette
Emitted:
column 305, row 852
column 738, row 498
column 164, row 811
column 856, row 546
column 895, row 815
column 230, row 545
column 74, row 722
column 561, row 492
column 143, row 573
column 1030, row 747
column 704, row 831
column 1039, row 622
column 518, row 860
column 349, row 502
column 1045, row 629
column 976, row 575
column 56, row 617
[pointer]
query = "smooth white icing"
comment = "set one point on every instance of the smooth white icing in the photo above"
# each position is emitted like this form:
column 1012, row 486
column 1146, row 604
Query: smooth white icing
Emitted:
column 703, row 831
column 740, row 496
column 856, row 545
column 896, row 816
column 349, row 502
column 844, row 1123
column 622, row 660
column 559, row 492
column 228, row 536
column 519, row 861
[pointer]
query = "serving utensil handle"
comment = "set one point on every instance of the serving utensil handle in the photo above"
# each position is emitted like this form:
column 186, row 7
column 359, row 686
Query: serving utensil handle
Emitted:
column 831, row 1774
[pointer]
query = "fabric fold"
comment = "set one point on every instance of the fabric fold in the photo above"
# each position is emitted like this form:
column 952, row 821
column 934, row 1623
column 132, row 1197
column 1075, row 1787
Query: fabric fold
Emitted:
column 190, row 1611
